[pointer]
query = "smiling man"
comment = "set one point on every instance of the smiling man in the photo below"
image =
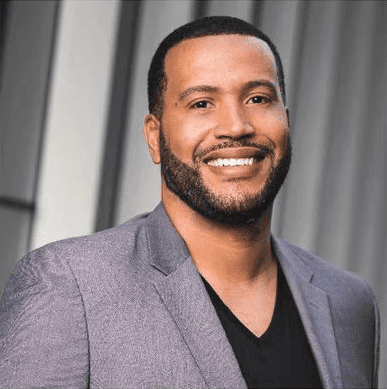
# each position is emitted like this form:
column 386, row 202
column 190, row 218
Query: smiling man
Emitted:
column 197, row 293
column 224, row 117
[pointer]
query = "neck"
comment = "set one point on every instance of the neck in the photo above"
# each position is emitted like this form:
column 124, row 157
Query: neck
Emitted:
column 227, row 254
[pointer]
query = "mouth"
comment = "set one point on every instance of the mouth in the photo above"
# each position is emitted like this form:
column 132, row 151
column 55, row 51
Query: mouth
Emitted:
column 230, row 162
column 245, row 156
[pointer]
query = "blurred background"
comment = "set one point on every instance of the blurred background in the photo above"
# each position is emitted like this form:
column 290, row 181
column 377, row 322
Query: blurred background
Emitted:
column 73, row 97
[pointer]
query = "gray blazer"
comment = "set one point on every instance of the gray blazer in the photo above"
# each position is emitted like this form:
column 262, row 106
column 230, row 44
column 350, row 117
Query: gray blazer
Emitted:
column 126, row 308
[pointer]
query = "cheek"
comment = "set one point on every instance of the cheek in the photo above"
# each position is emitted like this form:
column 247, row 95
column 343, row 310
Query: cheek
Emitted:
column 275, row 127
column 278, row 116
column 184, row 135
column 271, row 123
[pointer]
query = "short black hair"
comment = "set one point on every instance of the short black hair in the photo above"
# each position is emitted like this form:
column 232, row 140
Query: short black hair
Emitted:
column 207, row 26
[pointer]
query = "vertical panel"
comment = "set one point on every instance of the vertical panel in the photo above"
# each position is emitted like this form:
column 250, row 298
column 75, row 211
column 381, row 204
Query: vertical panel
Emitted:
column 14, row 232
column 200, row 8
column 281, row 21
column 68, row 187
column 27, row 47
column 372, row 197
column 314, row 101
column 116, row 123
column 241, row 9
column 140, row 179
column 25, row 70
column 4, row 8
column 351, row 94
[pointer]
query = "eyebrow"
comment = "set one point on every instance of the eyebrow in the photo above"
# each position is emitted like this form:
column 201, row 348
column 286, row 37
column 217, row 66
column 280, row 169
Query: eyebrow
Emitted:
column 213, row 89
column 259, row 83
column 196, row 89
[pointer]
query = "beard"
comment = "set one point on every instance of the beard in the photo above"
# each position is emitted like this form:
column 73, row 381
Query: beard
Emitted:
column 235, row 210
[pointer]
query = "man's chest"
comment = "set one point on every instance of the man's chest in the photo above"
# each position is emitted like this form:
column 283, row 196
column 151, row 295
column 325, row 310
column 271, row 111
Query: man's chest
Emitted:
column 253, row 307
column 256, row 312
column 271, row 354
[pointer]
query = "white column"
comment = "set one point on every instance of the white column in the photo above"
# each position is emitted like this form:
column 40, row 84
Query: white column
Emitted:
column 75, row 126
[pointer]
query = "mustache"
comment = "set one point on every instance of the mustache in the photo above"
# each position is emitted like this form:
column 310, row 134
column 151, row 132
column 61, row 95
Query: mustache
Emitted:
column 264, row 148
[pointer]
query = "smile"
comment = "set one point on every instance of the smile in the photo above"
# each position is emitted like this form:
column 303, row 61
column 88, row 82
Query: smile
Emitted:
column 231, row 162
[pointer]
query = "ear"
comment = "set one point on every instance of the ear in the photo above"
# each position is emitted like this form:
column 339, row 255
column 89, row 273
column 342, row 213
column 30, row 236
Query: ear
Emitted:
column 151, row 132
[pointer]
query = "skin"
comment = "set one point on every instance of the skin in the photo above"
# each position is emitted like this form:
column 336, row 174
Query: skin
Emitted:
column 236, row 260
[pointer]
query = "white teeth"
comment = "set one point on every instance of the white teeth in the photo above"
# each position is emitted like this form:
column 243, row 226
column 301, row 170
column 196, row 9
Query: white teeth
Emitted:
column 231, row 162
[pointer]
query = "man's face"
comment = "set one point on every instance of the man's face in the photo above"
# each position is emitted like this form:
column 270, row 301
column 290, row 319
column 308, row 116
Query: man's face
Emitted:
column 225, row 149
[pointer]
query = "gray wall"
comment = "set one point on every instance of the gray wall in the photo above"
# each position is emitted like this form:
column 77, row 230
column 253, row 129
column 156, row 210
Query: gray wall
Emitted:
column 26, row 57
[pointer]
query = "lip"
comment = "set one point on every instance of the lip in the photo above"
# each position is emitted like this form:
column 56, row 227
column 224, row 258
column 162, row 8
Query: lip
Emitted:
column 239, row 172
column 236, row 153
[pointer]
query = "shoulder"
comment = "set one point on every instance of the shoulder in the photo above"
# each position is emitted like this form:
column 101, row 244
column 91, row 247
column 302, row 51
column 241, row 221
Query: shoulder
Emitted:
column 44, row 305
column 353, row 307
column 338, row 283
column 56, row 263
column 113, row 240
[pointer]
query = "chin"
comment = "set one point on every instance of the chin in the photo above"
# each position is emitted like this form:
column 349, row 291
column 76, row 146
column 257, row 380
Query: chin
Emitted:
column 234, row 210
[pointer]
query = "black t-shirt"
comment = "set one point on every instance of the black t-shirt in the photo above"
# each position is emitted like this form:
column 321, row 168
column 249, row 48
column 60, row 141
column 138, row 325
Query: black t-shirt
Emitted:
column 281, row 357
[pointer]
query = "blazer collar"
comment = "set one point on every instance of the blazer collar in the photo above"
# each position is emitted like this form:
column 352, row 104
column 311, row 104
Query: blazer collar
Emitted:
column 183, row 292
column 186, row 298
column 313, row 306
column 167, row 247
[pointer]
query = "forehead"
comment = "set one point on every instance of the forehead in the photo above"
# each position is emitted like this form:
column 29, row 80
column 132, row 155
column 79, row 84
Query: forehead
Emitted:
column 210, row 56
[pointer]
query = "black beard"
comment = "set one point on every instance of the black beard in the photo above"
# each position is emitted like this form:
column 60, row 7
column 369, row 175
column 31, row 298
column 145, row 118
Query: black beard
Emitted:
column 186, row 182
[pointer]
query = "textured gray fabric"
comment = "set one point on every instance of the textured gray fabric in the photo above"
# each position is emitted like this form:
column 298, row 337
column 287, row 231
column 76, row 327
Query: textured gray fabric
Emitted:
column 126, row 308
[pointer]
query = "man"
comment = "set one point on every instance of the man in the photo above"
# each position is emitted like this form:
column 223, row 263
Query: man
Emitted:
column 198, row 293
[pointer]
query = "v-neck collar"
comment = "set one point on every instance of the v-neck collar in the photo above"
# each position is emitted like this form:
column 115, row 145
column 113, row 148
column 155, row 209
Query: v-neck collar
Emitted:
column 220, row 305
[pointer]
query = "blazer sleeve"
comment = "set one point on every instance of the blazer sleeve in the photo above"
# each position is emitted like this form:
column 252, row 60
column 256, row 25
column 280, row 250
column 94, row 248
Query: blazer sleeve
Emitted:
column 43, row 333
column 376, row 341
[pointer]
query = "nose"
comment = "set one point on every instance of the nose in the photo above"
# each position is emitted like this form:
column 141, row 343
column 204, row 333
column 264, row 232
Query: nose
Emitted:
column 233, row 122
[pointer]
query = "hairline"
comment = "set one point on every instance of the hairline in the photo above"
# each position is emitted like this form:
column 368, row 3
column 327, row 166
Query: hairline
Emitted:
column 164, row 79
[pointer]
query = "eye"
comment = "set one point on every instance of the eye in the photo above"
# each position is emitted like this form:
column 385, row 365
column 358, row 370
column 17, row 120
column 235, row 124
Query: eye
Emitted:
column 202, row 104
column 259, row 100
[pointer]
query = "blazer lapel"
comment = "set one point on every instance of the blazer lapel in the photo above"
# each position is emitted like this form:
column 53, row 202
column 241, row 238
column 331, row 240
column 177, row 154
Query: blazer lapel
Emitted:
column 313, row 306
column 181, row 289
